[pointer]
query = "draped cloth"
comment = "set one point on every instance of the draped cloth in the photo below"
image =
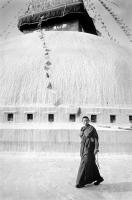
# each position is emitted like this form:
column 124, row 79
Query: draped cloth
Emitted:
column 88, row 171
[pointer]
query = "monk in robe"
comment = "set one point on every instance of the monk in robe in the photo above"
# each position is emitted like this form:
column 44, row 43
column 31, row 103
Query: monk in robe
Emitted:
column 88, row 171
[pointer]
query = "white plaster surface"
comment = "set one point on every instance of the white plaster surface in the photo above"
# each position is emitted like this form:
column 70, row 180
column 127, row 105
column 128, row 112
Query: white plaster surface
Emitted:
column 52, row 176
column 74, row 71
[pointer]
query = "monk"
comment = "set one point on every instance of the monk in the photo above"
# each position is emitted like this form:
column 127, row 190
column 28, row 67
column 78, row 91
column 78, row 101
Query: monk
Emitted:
column 88, row 171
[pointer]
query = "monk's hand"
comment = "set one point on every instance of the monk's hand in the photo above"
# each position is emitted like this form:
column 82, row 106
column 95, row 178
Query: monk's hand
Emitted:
column 96, row 151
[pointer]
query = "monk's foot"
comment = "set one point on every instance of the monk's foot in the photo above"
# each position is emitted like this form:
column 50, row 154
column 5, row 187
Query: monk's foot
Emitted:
column 79, row 186
column 99, row 181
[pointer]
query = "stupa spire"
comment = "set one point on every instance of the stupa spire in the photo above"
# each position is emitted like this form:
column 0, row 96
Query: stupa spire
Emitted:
column 97, row 17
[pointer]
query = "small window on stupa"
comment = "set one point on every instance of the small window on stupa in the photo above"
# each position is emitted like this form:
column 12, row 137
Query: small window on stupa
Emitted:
column 51, row 117
column 10, row 117
column 130, row 118
column 29, row 117
column 72, row 117
column 93, row 118
column 112, row 118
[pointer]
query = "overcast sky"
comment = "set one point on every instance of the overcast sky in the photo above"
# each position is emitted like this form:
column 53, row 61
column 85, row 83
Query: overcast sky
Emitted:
column 11, row 9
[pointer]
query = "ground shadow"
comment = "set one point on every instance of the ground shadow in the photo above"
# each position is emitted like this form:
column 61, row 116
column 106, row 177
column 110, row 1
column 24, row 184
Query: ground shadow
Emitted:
column 111, row 187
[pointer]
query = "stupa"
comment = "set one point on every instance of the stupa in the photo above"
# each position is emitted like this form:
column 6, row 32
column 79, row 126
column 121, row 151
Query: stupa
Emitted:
column 62, row 67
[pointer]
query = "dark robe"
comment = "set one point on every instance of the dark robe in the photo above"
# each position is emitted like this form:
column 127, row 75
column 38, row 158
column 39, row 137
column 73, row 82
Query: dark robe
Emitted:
column 88, row 170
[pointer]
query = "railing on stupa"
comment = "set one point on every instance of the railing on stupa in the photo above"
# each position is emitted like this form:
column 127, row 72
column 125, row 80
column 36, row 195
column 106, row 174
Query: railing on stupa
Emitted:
column 37, row 6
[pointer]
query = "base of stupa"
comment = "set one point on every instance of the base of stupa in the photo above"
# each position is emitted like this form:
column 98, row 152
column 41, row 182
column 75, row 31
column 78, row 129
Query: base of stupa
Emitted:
column 53, row 137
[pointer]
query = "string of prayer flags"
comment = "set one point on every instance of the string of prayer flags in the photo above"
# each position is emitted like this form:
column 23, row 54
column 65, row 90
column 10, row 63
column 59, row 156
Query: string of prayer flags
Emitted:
column 46, row 68
column 47, row 75
column 49, row 85
column 47, row 64
column 78, row 112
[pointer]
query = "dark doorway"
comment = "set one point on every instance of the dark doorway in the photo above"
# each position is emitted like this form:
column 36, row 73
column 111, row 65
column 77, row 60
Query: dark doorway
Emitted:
column 29, row 117
column 130, row 118
column 10, row 117
column 72, row 117
column 51, row 117
column 93, row 118
column 112, row 118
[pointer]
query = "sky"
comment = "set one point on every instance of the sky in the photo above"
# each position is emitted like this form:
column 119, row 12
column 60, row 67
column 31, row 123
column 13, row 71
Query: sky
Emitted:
column 10, row 10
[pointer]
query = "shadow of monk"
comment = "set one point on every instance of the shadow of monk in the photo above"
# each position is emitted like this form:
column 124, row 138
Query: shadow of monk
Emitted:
column 111, row 187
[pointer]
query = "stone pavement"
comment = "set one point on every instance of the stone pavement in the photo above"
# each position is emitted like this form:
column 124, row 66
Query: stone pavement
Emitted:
column 44, row 176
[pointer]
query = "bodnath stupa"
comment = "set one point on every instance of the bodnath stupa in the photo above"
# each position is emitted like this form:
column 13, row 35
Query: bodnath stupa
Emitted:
column 68, row 63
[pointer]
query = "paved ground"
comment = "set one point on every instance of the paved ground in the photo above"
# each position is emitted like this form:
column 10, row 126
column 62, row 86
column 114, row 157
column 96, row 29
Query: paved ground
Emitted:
column 52, row 177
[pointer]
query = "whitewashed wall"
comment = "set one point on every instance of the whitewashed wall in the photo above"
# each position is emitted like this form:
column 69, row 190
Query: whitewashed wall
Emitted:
column 61, row 140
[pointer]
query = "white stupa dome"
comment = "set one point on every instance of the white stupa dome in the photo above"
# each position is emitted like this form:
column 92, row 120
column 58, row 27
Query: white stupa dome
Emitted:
column 85, row 70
